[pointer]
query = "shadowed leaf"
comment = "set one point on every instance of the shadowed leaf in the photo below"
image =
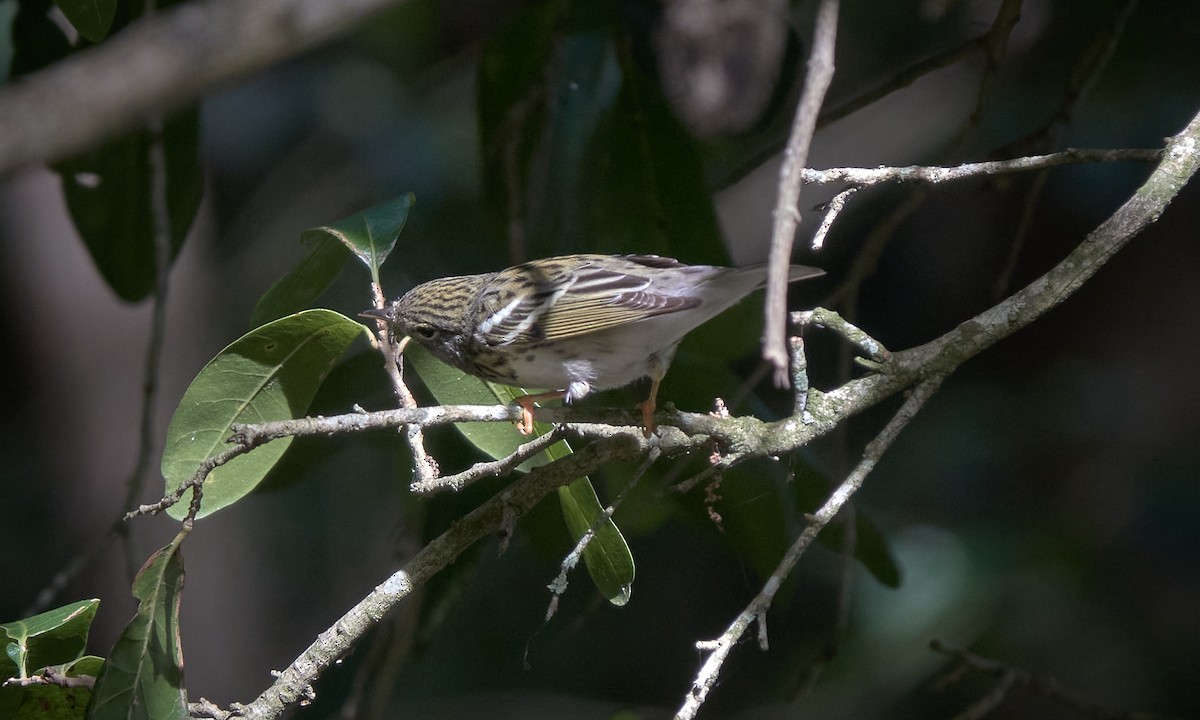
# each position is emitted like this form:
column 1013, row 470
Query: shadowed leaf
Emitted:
column 142, row 679
column 607, row 556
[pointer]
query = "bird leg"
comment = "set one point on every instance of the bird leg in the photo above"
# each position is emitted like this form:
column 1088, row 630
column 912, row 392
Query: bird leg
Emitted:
column 525, row 424
column 648, row 406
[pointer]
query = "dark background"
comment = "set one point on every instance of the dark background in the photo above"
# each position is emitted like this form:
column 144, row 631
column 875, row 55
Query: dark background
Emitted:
column 1042, row 507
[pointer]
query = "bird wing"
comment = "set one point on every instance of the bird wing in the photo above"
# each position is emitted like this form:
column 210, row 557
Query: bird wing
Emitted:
column 587, row 299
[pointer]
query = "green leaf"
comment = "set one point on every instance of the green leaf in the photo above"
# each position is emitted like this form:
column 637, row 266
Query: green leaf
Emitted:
column 754, row 513
column 143, row 676
column 108, row 194
column 647, row 182
column 47, row 702
column 607, row 556
column 83, row 666
column 451, row 386
column 305, row 282
column 55, row 638
column 372, row 233
column 565, row 195
column 580, row 143
column 51, row 701
column 92, row 18
column 270, row 373
column 51, row 638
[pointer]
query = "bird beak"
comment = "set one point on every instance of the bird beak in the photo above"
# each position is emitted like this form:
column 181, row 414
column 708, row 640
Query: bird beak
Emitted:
column 374, row 314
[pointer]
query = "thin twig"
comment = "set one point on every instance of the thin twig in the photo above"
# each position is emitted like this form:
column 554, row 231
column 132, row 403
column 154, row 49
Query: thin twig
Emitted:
column 934, row 174
column 902, row 79
column 1010, row 676
column 867, row 257
column 118, row 528
column 425, row 468
column 832, row 209
column 787, row 210
column 558, row 586
column 756, row 610
column 1079, row 86
column 494, row 468
column 996, row 43
column 935, row 359
column 823, row 317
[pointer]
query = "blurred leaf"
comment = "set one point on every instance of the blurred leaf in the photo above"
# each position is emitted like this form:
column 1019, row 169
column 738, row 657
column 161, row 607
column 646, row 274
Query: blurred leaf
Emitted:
column 751, row 503
column 92, row 18
column 271, row 373
column 305, row 282
column 37, row 40
column 607, row 556
column 644, row 183
column 875, row 554
column 143, row 676
column 555, row 187
column 513, row 95
column 108, row 194
column 370, row 234
column 51, row 638
column 581, row 147
column 48, row 702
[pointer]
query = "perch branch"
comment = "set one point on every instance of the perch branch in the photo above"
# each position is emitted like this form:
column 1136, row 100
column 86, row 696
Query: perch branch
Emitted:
column 921, row 366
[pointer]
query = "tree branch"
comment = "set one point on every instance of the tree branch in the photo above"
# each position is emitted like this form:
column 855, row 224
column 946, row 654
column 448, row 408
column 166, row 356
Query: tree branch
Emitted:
column 489, row 517
column 787, row 211
column 758, row 607
column 744, row 436
column 156, row 65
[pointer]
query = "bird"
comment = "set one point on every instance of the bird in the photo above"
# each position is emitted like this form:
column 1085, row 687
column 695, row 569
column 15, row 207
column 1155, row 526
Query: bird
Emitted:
column 573, row 323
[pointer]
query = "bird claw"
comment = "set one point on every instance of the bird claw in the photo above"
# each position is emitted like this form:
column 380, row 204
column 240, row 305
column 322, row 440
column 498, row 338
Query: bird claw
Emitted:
column 648, row 426
column 525, row 424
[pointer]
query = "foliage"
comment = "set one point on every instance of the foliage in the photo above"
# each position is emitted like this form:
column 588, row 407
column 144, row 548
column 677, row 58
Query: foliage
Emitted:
column 998, row 523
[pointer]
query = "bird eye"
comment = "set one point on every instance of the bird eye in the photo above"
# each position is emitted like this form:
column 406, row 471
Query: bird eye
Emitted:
column 425, row 332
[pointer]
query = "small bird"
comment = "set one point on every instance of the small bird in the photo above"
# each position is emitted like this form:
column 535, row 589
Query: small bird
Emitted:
column 576, row 323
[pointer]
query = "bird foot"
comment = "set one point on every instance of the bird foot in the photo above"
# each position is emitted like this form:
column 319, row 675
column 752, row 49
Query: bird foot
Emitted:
column 527, row 403
column 525, row 424
column 648, row 427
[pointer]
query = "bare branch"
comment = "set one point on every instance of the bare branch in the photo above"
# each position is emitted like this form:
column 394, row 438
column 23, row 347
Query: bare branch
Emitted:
column 924, row 366
column 425, row 468
column 758, row 607
column 335, row 642
column 495, row 468
column 1010, row 676
column 156, row 65
column 939, row 174
column 787, row 211
column 558, row 586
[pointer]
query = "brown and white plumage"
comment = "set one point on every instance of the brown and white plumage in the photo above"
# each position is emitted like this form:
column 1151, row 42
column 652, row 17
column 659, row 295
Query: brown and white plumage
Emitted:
column 575, row 323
